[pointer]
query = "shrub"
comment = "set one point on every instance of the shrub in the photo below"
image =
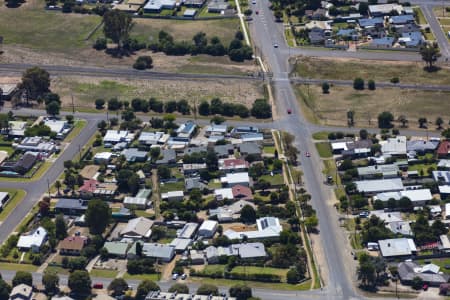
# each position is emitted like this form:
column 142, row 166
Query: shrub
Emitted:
column 143, row 62
column 371, row 85
column 358, row 83
column 325, row 88
column 100, row 44
column 395, row 80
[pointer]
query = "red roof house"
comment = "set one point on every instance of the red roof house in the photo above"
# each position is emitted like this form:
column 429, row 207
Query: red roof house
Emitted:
column 242, row 192
column 444, row 149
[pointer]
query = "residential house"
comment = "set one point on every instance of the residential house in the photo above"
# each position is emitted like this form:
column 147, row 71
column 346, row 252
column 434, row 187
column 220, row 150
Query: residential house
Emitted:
column 318, row 31
column 268, row 228
column 194, row 3
column 188, row 231
column 72, row 245
column 418, row 197
column 193, row 169
column 217, row 6
column 116, row 249
column 138, row 228
column 233, row 165
column 163, row 253
column 140, row 201
column 155, row 6
column 250, row 149
column 378, row 171
column 169, row 157
column 36, row 144
column 443, row 150
column 215, row 129
column 21, row 292
column 102, row 157
column 401, row 19
column 252, row 137
column 208, row 228
column 379, row 10
column 395, row 146
column 117, row 136
column 441, row 177
column 186, row 130
column 231, row 212
column 396, row 248
column 357, row 149
column 238, row 130
column 373, row 27
column 23, row 165
column 379, row 185
column 134, row 155
column 192, row 150
column 180, row 245
column 444, row 244
column 429, row 273
column 401, row 227
column 245, row 251
column 411, row 39
column 444, row 164
column 173, row 196
column 70, row 207
column 33, row 240
column 17, row 128
column 382, row 43
column 223, row 193
column 421, row 146
column 242, row 192
column 347, row 34
column 152, row 138
column 197, row 257
column 406, row 28
column 224, row 151
column 232, row 179
column 60, row 127
column 194, row 183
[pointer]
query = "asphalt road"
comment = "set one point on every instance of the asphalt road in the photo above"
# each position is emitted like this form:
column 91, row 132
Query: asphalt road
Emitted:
column 436, row 28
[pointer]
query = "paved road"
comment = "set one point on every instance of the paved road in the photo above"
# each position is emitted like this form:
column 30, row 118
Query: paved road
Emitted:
column 436, row 28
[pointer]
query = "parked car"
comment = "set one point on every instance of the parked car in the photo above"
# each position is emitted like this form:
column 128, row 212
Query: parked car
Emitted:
column 289, row 111
column 174, row 276
column 98, row 285
column 307, row 154
column 183, row 277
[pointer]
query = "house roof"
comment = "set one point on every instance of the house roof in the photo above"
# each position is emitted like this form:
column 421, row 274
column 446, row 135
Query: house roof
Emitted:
column 116, row 248
column 411, row 39
column 232, row 163
column 27, row 160
column 268, row 227
column 103, row 156
column 185, row 129
column 232, row 178
column 413, row 195
column 250, row 148
column 89, row 186
column 386, row 41
column 442, row 177
column 115, row 136
column 388, row 217
column 23, row 291
column 444, row 163
column 223, row 150
column 444, row 148
column 225, row 193
column 242, row 192
column 369, row 22
column 208, row 225
column 400, row 227
column 379, row 185
column 133, row 154
column 397, row 247
column 55, row 125
column 323, row 25
column 34, row 239
column 150, row 137
column 402, row 19
column 252, row 137
column 408, row 270
column 385, row 170
column 194, row 183
column 230, row 211
column 394, row 146
column 158, row 250
column 385, row 8
column 168, row 156
column 138, row 227
column 66, row 203
column 221, row 128
column 172, row 194
column 188, row 230
column 73, row 243
column 180, row 244
column 421, row 145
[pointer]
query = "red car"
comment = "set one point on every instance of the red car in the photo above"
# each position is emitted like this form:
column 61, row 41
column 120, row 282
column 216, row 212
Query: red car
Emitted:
column 98, row 285
column 289, row 111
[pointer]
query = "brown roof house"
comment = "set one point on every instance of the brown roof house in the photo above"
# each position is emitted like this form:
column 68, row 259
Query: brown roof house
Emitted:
column 242, row 192
column 72, row 245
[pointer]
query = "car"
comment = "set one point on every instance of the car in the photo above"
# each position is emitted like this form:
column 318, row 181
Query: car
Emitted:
column 275, row 45
column 98, row 285
column 174, row 276
column 183, row 277
column 253, row 2
column 307, row 154
column 364, row 214
column 257, row 12
column 425, row 287
column 289, row 111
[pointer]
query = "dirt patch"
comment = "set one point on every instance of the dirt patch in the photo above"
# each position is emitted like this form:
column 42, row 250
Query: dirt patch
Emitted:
column 86, row 89
column 89, row 171
column 239, row 227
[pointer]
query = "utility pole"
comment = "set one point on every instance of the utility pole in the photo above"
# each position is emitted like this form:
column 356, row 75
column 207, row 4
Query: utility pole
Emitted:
column 48, row 186
column 79, row 150
column 73, row 106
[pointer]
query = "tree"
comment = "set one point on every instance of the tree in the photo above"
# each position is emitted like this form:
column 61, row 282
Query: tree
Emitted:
column 144, row 287
column 143, row 62
column 50, row 281
column 378, row 204
column 80, row 282
column 60, row 227
column 203, row 108
column 371, row 85
column 22, row 277
column 99, row 103
column 446, row 133
column 363, row 134
column 5, row 289
column 261, row 109
column 430, row 54
column 118, row 286
column 117, row 26
column 402, row 119
column 98, row 215
column 100, row 44
column 366, row 271
column 278, row 14
column 180, row 288
column 363, row 8
column 325, row 87
column 247, row 13
column 385, row 120
column 358, row 83
column 439, row 122
column 417, row 283
column 311, row 222
column 240, row 292
column 208, row 289
column 36, row 82
column 405, row 204
column 422, row 122
column 292, row 276
column 248, row 215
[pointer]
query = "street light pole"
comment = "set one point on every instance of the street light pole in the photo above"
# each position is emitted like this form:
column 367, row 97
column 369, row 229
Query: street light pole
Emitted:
column 48, row 186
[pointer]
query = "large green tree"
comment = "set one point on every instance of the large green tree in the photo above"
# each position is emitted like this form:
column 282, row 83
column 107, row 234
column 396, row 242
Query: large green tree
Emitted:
column 5, row 289
column 60, row 227
column 22, row 277
column 145, row 287
column 118, row 286
column 98, row 215
column 240, row 292
column 50, row 281
column 80, row 282
column 430, row 54
column 117, row 26
column 180, row 288
column 36, row 82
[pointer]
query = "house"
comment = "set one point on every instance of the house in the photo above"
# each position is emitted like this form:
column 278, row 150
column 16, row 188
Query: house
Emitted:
column 250, row 149
column 17, row 128
column 194, row 3
column 395, row 146
column 378, row 171
column 401, row 19
column 318, row 31
column 371, row 22
column 232, row 179
column 23, row 165
column 155, row 6
column 72, row 245
column 442, row 177
column 406, row 28
column 379, row 185
column 160, row 252
column 385, row 9
column 395, row 248
column 245, row 251
column 217, row 6
column 224, row 151
column 383, row 43
column 444, row 164
column 411, row 39
column 215, row 129
column 421, row 146
column 444, row 244
column 387, row 217
column 102, row 157
column 238, row 130
column 70, row 207
column 138, row 228
column 186, row 130
column 168, row 157
column 116, row 249
column 208, row 228
column 60, row 127
column 189, row 169
column 429, row 273
column 116, row 136
column 268, row 228
column 36, row 144
column 197, row 257
column 443, row 150
column 173, row 196
column 180, row 245
column 242, row 192
column 348, row 34
column 140, row 201
column 33, row 240
column 223, row 193
column 233, row 165
column 134, row 155
column 418, row 197
column 192, row 150
column 158, row 295
column 21, row 292
column 252, row 137
column 188, row 231
column 4, row 197
column 400, row 227
column 194, row 183
column 152, row 138
column 231, row 212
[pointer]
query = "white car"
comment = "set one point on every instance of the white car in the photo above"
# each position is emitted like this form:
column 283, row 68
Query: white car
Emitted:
column 253, row 2
column 174, row 276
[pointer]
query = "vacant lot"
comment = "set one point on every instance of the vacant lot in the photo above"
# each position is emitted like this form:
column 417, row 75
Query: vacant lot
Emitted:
column 86, row 89
column 379, row 71
column 331, row 109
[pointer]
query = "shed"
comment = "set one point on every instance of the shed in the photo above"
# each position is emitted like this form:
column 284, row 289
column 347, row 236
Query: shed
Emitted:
column 208, row 228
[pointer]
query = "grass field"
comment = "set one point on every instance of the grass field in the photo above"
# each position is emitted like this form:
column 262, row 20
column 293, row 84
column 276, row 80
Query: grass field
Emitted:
column 269, row 149
column 331, row 109
column 321, row 135
column 324, row 149
column 58, row 270
column 103, row 273
column 423, row 167
column 33, row 27
column 276, row 179
column 379, row 71
column 171, row 186
column 154, row 277
column 77, row 128
column 276, row 286
column 18, row 267
column 16, row 197
column 421, row 17
column 260, row 270
column 9, row 150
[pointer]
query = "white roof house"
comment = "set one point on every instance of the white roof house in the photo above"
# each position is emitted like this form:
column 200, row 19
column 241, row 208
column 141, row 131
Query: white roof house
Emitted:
column 22, row 292
column 380, row 185
column 138, row 228
column 57, row 126
column 268, row 227
column 157, row 5
column 385, row 9
column 397, row 247
column 208, row 228
column 444, row 163
column 151, row 138
column 102, row 156
column 116, row 136
column 173, row 195
column 17, row 128
column 232, row 179
column 158, row 251
column 417, row 197
column 225, row 193
column 394, row 146
column 34, row 240
column 216, row 129
column 187, row 231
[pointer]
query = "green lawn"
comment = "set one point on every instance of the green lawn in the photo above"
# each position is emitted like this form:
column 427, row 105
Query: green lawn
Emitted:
column 213, row 269
column 421, row 18
column 103, row 273
column 261, row 270
column 58, row 270
column 18, row 267
column 214, row 185
column 321, row 135
column 324, row 149
column 269, row 149
column 77, row 128
column 276, row 179
column 154, row 277
column 424, row 167
column 9, row 150
column 16, row 197
column 441, row 262
column 34, row 27
column 276, row 286
column 142, row 213
column 171, row 186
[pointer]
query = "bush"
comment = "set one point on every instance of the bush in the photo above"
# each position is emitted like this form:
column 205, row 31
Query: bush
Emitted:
column 358, row 84
column 208, row 289
column 371, row 85
column 325, row 88
column 99, row 103
column 143, row 62
column 395, row 80
column 100, row 44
